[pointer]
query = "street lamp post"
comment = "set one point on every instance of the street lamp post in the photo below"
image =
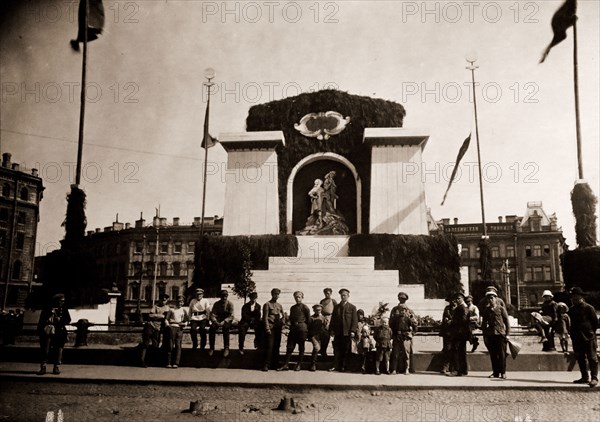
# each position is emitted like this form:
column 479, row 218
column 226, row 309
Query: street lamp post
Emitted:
column 139, row 298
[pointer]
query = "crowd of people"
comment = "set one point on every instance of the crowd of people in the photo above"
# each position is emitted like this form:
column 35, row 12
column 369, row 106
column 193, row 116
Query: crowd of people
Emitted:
column 390, row 337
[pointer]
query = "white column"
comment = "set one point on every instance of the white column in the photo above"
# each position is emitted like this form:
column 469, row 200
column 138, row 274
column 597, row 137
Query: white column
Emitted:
column 397, row 202
column 251, row 183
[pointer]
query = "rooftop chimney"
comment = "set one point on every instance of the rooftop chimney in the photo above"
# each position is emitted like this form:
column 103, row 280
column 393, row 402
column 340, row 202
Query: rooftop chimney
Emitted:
column 445, row 221
column 455, row 220
column 175, row 221
column 6, row 159
column 156, row 221
column 34, row 172
column 127, row 226
column 15, row 166
column 500, row 219
column 196, row 221
column 98, row 229
column 140, row 223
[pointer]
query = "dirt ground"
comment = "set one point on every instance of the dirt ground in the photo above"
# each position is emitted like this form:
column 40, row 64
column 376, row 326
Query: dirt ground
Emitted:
column 48, row 401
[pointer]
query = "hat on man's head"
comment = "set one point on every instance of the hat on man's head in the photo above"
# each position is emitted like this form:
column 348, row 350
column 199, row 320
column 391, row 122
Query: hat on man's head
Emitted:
column 468, row 297
column 298, row 293
column 317, row 306
column 547, row 293
column 344, row 290
column 491, row 289
column 58, row 296
column 577, row 291
column 253, row 295
column 180, row 297
column 459, row 294
column 327, row 289
column 402, row 295
column 199, row 291
column 224, row 292
column 275, row 290
column 491, row 293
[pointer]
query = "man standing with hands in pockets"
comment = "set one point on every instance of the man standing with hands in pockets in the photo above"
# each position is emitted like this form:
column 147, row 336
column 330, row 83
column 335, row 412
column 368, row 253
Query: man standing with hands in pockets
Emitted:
column 343, row 327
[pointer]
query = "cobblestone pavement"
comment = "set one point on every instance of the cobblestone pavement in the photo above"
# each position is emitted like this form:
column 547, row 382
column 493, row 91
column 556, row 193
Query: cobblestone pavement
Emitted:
column 49, row 401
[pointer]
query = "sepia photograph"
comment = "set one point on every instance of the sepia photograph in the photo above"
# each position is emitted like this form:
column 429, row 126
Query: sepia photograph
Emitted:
column 310, row 210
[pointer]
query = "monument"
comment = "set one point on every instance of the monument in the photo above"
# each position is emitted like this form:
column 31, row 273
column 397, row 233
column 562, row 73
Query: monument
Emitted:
column 326, row 166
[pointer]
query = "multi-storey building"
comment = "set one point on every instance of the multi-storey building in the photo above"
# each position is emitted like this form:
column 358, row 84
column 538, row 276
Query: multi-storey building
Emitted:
column 525, row 252
column 128, row 258
column 19, row 215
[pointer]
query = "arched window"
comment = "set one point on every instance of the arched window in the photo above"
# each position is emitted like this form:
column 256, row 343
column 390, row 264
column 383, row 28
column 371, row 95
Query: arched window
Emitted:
column 24, row 194
column 6, row 190
column 16, row 271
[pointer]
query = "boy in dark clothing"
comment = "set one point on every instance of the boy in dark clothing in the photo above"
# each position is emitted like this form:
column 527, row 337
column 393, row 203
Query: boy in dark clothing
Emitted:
column 299, row 317
column 250, row 319
column 316, row 331
column 584, row 324
column 383, row 338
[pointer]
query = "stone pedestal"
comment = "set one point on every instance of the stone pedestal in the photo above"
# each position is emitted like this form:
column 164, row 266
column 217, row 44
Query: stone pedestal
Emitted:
column 251, row 187
column 397, row 182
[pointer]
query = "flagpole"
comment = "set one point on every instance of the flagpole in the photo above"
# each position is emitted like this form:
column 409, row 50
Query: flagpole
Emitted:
column 209, row 74
column 82, row 107
column 577, row 115
column 471, row 59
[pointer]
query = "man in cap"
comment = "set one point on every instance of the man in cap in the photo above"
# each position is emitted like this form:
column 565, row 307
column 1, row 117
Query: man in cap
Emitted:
column 250, row 319
column 299, row 317
column 546, row 326
column 343, row 327
column 52, row 331
column 272, row 318
column 473, row 321
column 584, row 324
column 394, row 321
column 459, row 334
column 327, row 304
column 221, row 316
column 199, row 313
column 446, row 353
column 496, row 329
column 485, row 302
column 177, row 319
column 317, row 329
column 155, row 325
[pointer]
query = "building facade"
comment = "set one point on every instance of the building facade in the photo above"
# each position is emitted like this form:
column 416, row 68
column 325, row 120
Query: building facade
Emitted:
column 144, row 261
column 525, row 252
column 19, row 215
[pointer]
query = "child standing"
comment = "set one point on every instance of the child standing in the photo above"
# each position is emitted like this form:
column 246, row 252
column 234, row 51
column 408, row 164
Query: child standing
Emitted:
column 563, row 325
column 316, row 332
column 365, row 342
column 383, row 337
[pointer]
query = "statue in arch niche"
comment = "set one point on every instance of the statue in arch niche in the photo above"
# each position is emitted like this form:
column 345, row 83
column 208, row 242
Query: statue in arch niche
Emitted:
column 324, row 217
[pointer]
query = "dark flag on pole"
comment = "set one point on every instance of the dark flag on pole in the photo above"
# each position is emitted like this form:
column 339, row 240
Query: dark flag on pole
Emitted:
column 461, row 152
column 562, row 20
column 207, row 141
column 95, row 22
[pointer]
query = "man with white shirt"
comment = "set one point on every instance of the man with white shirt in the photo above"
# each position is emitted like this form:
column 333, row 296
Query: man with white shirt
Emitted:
column 176, row 320
column 199, row 313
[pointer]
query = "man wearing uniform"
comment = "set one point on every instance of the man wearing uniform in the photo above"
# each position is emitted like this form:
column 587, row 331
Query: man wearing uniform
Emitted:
column 299, row 317
column 272, row 318
column 250, row 319
column 199, row 313
column 316, row 331
column 584, row 324
column 343, row 327
column 459, row 334
column 154, row 326
column 221, row 316
column 327, row 305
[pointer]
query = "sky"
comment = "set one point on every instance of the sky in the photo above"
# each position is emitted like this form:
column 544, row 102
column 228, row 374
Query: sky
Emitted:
column 146, row 100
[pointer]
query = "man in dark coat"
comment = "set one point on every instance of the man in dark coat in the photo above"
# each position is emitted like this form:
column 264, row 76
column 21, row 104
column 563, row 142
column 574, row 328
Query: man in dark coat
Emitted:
column 53, row 332
column 250, row 319
column 343, row 327
column 272, row 318
column 459, row 334
column 584, row 324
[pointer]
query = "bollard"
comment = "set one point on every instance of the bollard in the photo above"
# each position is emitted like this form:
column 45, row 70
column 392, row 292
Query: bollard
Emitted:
column 81, row 334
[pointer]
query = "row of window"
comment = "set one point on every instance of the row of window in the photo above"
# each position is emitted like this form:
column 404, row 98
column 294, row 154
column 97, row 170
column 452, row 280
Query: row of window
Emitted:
column 16, row 269
column 19, row 240
column 177, row 268
column 7, row 192
column 538, row 273
column 4, row 216
column 161, row 289
column 535, row 251
column 164, row 248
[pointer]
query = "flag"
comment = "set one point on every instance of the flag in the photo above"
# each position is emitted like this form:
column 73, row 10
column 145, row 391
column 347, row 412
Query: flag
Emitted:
column 95, row 22
column 461, row 152
column 207, row 141
column 561, row 21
